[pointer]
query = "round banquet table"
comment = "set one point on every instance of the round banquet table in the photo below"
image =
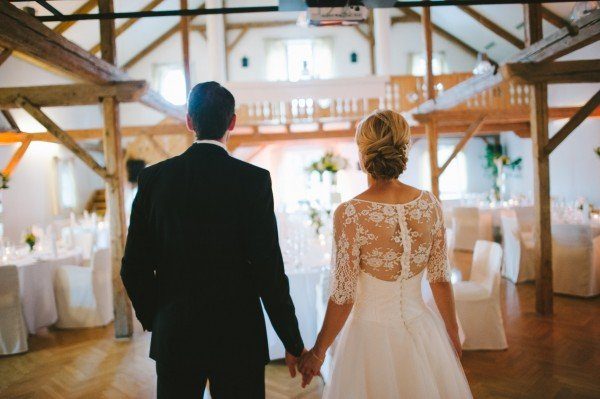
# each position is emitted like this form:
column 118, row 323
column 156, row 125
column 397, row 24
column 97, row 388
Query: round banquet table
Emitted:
column 303, row 285
column 36, row 278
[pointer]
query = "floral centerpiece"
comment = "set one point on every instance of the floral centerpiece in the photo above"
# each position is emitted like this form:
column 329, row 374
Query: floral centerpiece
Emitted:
column 329, row 162
column 495, row 162
column 3, row 181
column 597, row 149
column 30, row 240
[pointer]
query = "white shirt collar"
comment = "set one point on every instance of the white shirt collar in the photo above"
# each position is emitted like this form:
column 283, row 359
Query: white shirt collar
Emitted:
column 213, row 142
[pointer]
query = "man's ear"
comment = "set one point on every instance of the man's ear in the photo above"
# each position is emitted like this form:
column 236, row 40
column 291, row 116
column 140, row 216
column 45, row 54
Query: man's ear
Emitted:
column 188, row 123
column 232, row 123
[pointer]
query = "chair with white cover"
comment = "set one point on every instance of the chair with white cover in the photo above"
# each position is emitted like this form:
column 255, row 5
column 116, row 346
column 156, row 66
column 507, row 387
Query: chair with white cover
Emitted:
column 13, row 331
column 465, row 224
column 575, row 268
column 84, row 294
column 478, row 300
column 518, row 260
column 85, row 241
column 322, row 289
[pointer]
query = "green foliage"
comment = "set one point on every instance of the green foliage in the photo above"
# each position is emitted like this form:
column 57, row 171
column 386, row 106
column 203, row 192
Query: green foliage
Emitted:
column 597, row 151
column 30, row 239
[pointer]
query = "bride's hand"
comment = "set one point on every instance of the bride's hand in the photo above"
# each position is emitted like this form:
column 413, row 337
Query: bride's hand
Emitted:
column 456, row 342
column 310, row 365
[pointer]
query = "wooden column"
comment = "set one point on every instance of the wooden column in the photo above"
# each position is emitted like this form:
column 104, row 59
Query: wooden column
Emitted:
column 115, row 196
column 431, row 127
column 185, row 44
column 538, row 103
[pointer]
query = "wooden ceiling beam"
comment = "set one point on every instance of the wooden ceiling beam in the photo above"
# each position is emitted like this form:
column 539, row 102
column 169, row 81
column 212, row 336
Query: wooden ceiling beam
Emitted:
column 442, row 32
column 11, row 121
column 579, row 71
column 156, row 43
column 492, row 26
column 554, row 19
column 63, row 137
column 73, row 94
column 471, row 131
column 4, row 55
column 572, row 123
column 547, row 49
column 25, row 34
column 16, row 158
column 84, row 9
column 129, row 23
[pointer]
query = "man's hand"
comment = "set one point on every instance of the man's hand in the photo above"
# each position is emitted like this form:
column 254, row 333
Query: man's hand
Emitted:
column 310, row 366
column 291, row 362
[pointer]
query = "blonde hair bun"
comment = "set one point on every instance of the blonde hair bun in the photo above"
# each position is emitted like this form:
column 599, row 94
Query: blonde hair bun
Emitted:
column 383, row 139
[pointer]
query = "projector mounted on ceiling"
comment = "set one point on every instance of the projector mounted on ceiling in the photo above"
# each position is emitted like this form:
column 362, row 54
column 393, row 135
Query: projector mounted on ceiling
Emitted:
column 340, row 12
column 327, row 12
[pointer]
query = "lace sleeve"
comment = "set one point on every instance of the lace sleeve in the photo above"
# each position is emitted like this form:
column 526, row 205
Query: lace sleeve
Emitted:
column 345, row 256
column 438, row 266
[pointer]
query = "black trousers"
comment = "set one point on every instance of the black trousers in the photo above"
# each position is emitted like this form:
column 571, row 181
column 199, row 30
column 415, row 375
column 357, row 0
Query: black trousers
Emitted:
column 178, row 383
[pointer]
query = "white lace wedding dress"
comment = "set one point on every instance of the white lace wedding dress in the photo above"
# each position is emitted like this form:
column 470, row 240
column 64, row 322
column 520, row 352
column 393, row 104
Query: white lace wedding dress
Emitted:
column 393, row 345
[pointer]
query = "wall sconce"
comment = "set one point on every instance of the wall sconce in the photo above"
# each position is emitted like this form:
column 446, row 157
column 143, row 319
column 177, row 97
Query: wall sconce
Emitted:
column 245, row 62
column 353, row 57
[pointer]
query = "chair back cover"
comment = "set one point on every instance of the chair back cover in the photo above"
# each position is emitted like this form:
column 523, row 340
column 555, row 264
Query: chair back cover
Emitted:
column 102, row 284
column 9, row 286
column 465, row 224
column 13, row 332
column 485, row 270
column 85, row 241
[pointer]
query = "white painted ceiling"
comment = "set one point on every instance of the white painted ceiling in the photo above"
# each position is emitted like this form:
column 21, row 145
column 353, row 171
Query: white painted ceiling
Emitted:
column 452, row 19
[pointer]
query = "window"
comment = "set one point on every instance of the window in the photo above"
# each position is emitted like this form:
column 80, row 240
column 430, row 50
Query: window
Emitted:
column 169, row 81
column 65, row 176
column 453, row 182
column 299, row 59
column 438, row 64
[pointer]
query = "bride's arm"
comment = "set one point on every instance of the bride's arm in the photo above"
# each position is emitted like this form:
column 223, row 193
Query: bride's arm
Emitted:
column 444, row 299
column 344, row 277
column 438, row 274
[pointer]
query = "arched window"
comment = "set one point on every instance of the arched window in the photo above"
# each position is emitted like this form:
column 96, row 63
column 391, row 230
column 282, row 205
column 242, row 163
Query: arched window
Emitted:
column 453, row 182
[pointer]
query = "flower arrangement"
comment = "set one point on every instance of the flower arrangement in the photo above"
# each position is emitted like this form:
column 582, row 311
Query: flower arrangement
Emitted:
column 329, row 162
column 30, row 240
column 495, row 162
column 4, row 181
column 597, row 149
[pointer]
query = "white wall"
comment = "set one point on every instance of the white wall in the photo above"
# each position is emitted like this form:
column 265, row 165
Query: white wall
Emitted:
column 30, row 197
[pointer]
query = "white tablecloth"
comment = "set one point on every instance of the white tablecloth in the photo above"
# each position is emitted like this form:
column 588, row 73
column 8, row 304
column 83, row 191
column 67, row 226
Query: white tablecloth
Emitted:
column 303, row 285
column 36, row 277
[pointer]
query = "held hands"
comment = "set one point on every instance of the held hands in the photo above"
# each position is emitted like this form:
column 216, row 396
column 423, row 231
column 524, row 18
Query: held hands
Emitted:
column 310, row 365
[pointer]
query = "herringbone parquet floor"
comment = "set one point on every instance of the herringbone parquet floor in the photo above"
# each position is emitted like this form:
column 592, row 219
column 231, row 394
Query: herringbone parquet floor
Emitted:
column 548, row 357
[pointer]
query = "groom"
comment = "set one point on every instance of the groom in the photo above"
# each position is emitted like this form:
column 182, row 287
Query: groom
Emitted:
column 201, row 254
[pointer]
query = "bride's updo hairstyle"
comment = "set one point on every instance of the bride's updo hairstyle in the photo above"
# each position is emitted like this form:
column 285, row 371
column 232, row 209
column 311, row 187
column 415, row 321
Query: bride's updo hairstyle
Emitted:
column 383, row 140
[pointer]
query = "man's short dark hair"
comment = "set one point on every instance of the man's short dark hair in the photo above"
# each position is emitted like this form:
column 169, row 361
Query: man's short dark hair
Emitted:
column 211, row 107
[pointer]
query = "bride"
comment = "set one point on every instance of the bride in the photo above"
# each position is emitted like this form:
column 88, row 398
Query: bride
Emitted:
column 390, row 345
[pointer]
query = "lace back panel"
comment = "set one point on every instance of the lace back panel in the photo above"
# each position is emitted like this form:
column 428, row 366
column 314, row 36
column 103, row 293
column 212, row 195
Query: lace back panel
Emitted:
column 388, row 242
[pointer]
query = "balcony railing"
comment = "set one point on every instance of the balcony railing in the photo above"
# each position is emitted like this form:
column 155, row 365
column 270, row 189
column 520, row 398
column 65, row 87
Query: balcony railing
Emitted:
column 401, row 93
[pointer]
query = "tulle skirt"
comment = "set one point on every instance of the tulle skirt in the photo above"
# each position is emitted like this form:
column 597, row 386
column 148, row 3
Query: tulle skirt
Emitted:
column 397, row 360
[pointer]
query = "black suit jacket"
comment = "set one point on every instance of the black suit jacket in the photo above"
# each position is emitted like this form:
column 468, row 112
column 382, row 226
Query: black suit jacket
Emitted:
column 201, row 253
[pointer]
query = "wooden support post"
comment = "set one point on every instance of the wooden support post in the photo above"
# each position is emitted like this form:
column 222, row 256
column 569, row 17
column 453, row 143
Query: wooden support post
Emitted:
column 185, row 44
column 432, row 141
column 371, row 37
column 431, row 127
column 62, row 137
column 115, row 195
column 572, row 123
column 11, row 121
column 16, row 158
column 4, row 55
column 538, row 103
